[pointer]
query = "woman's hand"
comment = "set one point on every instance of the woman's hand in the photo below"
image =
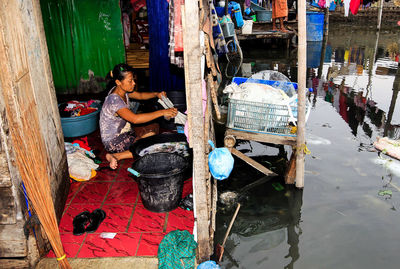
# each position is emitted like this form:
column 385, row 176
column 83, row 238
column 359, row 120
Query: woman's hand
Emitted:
column 170, row 113
column 160, row 94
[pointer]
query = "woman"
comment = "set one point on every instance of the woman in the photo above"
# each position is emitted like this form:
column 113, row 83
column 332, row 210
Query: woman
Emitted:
column 280, row 12
column 116, row 117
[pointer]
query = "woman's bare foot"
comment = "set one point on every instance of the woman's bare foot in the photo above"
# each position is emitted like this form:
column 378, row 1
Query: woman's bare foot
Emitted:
column 112, row 160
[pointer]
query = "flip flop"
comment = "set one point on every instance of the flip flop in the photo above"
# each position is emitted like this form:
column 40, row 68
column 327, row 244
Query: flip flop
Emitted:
column 80, row 222
column 96, row 218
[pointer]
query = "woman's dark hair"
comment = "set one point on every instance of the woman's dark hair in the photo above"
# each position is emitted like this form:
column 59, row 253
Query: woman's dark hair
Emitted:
column 119, row 72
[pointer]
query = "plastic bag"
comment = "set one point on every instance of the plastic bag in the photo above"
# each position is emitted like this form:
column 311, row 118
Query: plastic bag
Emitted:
column 208, row 265
column 220, row 162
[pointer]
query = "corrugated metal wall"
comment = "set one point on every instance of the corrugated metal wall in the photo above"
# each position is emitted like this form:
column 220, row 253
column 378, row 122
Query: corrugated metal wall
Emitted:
column 82, row 36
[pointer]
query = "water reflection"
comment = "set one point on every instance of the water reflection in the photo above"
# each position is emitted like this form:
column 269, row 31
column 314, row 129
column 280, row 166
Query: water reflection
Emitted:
column 269, row 218
column 352, row 72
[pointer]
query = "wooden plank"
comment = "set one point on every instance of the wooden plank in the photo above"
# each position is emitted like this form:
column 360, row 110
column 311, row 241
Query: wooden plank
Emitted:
column 253, row 163
column 193, row 84
column 266, row 138
column 5, row 179
column 7, row 206
column 264, row 35
column 137, row 58
column 290, row 174
column 12, row 241
column 14, row 263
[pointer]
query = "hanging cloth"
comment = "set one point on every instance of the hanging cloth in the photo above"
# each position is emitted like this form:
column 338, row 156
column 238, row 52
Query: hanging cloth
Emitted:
column 175, row 57
column 219, row 39
column 163, row 76
column 346, row 7
column 178, row 33
column 127, row 29
column 354, row 6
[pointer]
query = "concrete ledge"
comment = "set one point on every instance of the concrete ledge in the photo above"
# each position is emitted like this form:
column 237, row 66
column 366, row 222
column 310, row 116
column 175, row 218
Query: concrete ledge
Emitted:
column 99, row 263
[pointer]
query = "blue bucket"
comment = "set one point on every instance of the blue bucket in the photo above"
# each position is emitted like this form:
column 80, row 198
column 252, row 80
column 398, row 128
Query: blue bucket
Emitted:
column 79, row 126
column 315, row 26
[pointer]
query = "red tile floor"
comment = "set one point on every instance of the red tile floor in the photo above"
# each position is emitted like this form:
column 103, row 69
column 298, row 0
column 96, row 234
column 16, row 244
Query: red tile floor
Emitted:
column 138, row 230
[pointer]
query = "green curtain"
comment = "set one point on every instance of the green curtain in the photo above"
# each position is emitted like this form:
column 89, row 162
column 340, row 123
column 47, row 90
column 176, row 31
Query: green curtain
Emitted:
column 82, row 35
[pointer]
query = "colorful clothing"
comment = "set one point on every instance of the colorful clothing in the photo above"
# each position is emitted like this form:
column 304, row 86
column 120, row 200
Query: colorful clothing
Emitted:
column 115, row 131
column 279, row 9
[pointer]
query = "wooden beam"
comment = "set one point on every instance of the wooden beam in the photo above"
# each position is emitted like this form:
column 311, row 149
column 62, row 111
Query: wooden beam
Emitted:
column 253, row 163
column 301, row 105
column 13, row 243
column 193, row 85
column 266, row 138
column 264, row 35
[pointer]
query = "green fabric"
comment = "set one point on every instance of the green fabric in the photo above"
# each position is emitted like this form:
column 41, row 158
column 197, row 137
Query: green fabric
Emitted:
column 177, row 250
column 82, row 36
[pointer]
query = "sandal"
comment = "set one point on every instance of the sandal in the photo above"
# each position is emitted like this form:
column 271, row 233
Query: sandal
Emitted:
column 96, row 218
column 80, row 222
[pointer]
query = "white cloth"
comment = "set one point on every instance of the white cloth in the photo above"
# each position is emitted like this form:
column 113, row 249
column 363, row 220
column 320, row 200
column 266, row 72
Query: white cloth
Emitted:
column 346, row 7
column 256, row 92
column 80, row 166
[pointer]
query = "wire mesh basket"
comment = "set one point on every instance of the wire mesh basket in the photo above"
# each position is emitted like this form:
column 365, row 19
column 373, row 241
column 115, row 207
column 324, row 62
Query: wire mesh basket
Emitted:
column 264, row 117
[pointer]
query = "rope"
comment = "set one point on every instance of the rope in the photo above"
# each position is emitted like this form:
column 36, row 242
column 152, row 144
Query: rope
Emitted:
column 62, row 257
column 305, row 149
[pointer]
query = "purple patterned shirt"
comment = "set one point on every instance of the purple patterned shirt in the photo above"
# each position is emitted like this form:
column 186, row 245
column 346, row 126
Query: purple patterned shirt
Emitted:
column 111, row 123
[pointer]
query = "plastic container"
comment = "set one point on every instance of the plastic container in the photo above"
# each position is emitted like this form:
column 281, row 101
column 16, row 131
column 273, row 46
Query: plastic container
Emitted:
column 161, row 180
column 256, row 7
column 82, row 125
column 247, row 27
column 264, row 15
column 314, row 49
column 237, row 13
column 144, row 143
column 221, row 11
column 228, row 29
column 315, row 26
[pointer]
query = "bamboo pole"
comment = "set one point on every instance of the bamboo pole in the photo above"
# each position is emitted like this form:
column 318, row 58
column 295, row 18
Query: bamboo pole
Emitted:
column 301, row 77
column 378, row 27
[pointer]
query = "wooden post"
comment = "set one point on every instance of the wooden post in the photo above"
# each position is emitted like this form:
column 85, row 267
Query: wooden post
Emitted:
column 396, row 87
column 193, row 85
column 290, row 174
column 301, row 78
column 378, row 27
column 324, row 43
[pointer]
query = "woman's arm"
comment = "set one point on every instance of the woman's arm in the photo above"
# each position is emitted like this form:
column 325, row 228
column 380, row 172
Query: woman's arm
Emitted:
column 146, row 95
column 128, row 115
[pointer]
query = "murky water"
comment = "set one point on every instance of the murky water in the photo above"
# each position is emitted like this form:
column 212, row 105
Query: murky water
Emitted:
column 339, row 220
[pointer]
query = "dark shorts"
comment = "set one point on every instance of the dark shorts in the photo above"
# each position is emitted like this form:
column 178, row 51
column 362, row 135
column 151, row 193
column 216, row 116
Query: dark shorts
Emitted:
column 120, row 143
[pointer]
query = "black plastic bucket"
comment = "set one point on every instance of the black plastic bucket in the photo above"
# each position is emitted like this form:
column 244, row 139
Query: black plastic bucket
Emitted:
column 161, row 180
